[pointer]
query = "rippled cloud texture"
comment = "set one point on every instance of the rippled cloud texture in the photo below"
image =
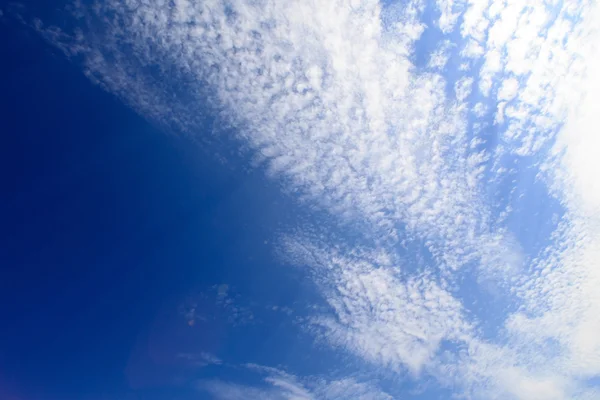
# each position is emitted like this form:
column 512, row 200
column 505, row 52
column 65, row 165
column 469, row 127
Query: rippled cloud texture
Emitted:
column 458, row 137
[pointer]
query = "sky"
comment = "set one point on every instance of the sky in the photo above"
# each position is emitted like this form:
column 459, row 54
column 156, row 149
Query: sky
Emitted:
column 303, row 199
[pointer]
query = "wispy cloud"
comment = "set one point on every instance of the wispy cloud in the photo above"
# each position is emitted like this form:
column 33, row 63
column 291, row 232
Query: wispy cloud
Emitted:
column 201, row 359
column 218, row 302
column 325, row 97
column 279, row 385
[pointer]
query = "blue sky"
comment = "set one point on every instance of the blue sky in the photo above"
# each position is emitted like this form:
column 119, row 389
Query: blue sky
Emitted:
column 300, row 200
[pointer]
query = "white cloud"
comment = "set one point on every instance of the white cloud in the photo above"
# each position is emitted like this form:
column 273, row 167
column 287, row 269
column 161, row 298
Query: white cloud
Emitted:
column 553, row 335
column 509, row 89
column 349, row 389
column 279, row 385
column 479, row 110
column 377, row 314
column 474, row 23
column 450, row 10
column 462, row 88
column 439, row 57
column 221, row 390
column 538, row 43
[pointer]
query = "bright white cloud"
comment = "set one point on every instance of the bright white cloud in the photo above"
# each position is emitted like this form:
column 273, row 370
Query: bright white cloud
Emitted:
column 450, row 11
column 509, row 89
column 536, row 42
column 554, row 335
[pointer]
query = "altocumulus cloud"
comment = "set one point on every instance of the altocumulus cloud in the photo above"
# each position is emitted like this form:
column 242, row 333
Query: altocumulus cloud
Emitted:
column 328, row 97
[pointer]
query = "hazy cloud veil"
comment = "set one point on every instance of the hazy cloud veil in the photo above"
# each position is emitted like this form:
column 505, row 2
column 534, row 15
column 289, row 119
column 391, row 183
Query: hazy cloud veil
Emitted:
column 421, row 140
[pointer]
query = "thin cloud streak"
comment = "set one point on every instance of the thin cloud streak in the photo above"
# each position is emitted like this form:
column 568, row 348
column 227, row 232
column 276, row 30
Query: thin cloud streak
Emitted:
column 279, row 385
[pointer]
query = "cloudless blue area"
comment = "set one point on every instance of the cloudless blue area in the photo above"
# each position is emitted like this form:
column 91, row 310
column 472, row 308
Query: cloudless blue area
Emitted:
column 107, row 227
